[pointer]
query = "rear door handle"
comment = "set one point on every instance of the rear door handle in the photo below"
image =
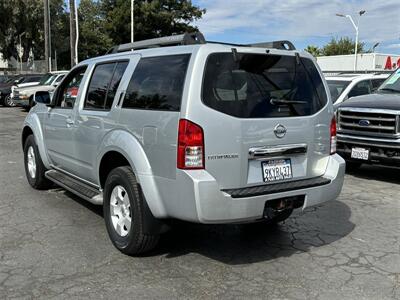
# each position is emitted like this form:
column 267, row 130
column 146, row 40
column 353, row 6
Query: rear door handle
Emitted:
column 70, row 122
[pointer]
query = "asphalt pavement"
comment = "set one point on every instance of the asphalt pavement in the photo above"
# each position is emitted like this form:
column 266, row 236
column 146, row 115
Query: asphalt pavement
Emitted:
column 54, row 245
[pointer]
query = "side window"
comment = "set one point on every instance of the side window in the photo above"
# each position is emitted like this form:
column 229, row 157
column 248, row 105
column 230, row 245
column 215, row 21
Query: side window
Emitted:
column 59, row 78
column 104, row 84
column 376, row 83
column 116, row 79
column 157, row 83
column 361, row 88
column 69, row 88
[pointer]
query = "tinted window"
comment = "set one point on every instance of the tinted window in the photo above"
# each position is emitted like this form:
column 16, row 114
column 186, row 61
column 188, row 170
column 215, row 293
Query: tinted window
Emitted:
column 97, row 91
column 33, row 79
column 103, row 85
column 59, row 78
column 336, row 88
column 361, row 88
column 157, row 83
column 262, row 86
column 116, row 79
column 376, row 83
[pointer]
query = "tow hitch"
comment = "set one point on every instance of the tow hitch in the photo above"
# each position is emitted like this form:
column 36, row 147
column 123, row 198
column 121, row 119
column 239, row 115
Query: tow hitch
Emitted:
column 274, row 207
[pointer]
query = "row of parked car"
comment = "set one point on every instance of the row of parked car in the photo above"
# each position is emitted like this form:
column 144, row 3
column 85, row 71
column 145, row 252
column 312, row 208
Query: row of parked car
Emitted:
column 20, row 89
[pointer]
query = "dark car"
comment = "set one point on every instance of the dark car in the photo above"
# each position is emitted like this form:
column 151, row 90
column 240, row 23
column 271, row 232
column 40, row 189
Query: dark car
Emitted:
column 6, row 87
column 369, row 126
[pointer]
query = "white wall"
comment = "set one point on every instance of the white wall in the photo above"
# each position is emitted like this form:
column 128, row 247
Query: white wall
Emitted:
column 368, row 61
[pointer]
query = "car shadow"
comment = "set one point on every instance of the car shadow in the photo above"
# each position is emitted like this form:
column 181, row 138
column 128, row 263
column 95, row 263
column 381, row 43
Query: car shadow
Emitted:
column 243, row 244
column 380, row 173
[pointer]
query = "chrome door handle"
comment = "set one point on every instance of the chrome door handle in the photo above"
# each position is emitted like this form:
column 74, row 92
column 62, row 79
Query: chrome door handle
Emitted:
column 70, row 122
column 258, row 152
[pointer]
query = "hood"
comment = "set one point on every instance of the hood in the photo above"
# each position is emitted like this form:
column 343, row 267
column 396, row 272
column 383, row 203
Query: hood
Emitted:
column 34, row 88
column 378, row 101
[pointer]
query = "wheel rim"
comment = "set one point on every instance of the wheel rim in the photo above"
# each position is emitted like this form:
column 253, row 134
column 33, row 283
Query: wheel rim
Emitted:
column 120, row 210
column 31, row 162
column 9, row 101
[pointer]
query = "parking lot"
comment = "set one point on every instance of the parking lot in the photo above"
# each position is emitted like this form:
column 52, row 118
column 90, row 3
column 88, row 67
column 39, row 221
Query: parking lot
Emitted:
column 54, row 245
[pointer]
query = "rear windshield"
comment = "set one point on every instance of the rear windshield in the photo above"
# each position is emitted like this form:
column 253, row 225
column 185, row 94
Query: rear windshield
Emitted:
column 336, row 87
column 262, row 85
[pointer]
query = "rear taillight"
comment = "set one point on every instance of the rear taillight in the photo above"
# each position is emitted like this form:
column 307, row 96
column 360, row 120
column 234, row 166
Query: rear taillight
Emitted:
column 333, row 136
column 190, row 146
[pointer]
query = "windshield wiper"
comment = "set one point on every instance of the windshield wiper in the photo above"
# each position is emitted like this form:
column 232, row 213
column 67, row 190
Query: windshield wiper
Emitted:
column 389, row 89
column 275, row 101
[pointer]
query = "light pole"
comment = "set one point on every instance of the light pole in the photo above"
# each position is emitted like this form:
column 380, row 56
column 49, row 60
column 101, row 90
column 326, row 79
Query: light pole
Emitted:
column 361, row 12
column 20, row 52
column 132, row 19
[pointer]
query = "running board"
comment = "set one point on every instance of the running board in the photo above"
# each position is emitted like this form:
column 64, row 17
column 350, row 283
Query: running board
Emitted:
column 75, row 186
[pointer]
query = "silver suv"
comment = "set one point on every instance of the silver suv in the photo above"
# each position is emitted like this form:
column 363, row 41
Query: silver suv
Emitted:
column 181, row 128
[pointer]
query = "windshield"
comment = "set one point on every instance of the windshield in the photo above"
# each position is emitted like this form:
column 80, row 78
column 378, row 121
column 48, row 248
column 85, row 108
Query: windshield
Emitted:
column 392, row 84
column 262, row 85
column 336, row 87
column 46, row 79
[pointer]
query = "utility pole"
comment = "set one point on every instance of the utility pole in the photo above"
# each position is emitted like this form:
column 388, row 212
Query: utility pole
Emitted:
column 46, row 34
column 72, row 31
column 132, row 19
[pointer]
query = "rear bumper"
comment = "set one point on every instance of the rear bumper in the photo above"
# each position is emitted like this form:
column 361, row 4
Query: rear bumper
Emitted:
column 382, row 151
column 198, row 198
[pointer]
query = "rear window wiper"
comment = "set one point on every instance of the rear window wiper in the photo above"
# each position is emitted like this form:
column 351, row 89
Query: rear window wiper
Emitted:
column 275, row 101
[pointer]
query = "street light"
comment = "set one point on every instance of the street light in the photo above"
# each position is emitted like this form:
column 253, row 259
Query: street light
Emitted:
column 374, row 46
column 361, row 12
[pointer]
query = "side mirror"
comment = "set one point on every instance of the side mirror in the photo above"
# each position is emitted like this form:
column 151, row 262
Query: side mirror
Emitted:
column 42, row 97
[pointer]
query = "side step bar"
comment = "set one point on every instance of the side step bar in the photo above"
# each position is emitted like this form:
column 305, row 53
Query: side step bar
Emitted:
column 75, row 186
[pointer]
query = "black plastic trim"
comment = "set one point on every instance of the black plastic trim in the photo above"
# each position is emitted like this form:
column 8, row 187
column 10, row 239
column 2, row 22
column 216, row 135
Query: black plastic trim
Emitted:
column 277, row 187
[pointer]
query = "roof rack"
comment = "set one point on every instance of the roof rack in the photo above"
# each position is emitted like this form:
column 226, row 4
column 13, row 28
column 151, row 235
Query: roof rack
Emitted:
column 282, row 45
column 173, row 40
column 191, row 39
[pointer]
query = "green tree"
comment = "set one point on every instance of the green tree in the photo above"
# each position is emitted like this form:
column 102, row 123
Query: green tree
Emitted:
column 93, row 37
column 342, row 46
column 313, row 50
column 25, row 18
column 153, row 18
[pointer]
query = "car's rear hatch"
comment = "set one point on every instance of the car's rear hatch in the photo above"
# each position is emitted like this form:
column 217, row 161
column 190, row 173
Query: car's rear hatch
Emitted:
column 264, row 117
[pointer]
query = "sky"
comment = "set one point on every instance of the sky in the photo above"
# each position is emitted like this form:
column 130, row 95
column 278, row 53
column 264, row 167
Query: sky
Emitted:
column 303, row 22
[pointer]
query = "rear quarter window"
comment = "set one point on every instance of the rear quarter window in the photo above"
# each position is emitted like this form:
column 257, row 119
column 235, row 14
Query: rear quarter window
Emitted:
column 262, row 85
column 157, row 83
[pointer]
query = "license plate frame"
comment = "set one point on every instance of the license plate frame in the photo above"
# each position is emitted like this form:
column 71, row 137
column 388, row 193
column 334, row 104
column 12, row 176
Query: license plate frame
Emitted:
column 360, row 153
column 284, row 166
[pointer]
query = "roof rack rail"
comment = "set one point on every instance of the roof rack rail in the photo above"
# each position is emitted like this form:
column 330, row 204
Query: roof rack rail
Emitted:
column 282, row 45
column 173, row 40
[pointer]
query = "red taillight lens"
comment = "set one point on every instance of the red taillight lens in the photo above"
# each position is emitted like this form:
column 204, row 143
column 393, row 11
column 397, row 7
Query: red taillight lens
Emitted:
column 333, row 136
column 190, row 146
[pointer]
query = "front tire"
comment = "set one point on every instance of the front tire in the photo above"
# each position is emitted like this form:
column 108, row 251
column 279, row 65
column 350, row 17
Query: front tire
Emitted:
column 8, row 101
column 123, row 213
column 34, row 168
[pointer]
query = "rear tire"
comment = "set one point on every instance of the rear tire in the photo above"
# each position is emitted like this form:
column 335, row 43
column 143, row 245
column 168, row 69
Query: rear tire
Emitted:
column 123, row 213
column 34, row 168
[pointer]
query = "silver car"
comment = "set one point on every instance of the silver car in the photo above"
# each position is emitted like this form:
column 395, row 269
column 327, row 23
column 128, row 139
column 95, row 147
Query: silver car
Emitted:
column 181, row 128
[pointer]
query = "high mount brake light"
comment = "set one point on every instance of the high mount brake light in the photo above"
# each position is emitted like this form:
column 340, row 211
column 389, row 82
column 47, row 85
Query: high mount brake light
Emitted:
column 190, row 146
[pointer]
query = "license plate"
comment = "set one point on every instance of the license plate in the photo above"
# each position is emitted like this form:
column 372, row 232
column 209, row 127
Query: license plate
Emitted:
column 360, row 153
column 275, row 170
